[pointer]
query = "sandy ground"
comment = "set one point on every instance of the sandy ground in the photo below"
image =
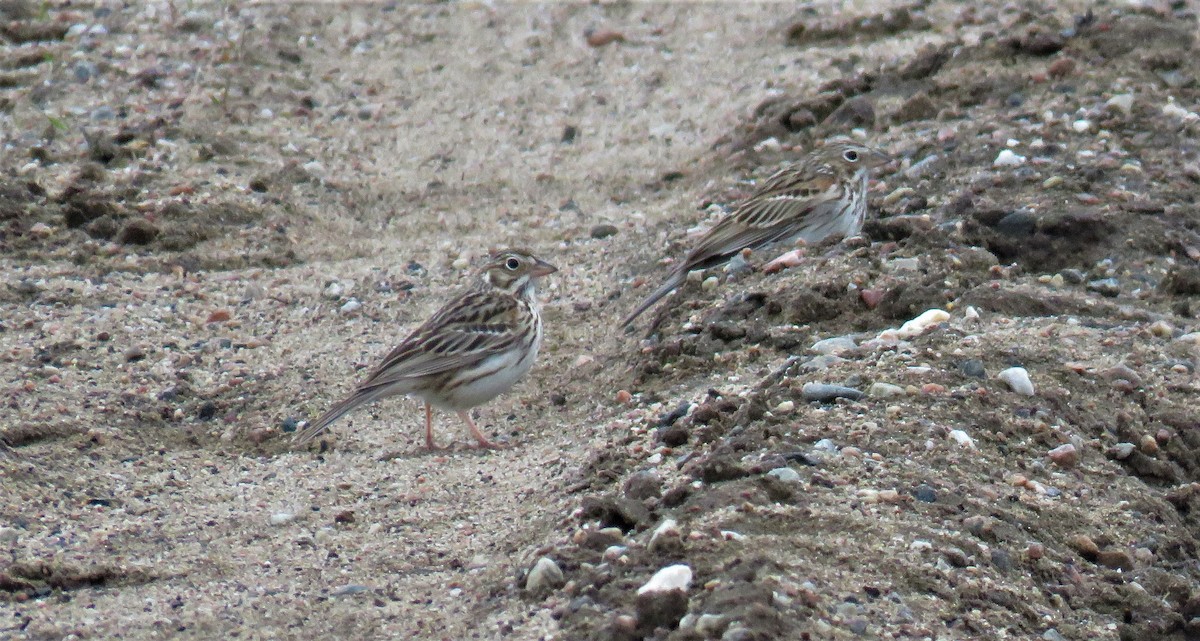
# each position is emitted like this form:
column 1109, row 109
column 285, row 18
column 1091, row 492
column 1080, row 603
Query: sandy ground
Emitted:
column 193, row 196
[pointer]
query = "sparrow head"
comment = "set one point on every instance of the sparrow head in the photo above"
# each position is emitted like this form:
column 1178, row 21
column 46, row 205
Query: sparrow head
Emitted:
column 853, row 159
column 514, row 270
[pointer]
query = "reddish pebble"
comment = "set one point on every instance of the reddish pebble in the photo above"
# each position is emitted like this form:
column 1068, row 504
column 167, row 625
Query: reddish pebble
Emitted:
column 55, row 379
column 933, row 388
column 219, row 316
column 1148, row 445
column 1162, row 436
column 601, row 38
column 1064, row 455
column 624, row 396
column 872, row 297
column 1061, row 68
column 1035, row 551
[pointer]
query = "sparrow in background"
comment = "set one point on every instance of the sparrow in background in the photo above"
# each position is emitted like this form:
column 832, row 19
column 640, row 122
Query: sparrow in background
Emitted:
column 822, row 195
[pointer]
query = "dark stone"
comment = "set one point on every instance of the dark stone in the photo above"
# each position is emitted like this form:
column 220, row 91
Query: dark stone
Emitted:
column 660, row 609
column 674, row 436
column 717, row 468
column 926, row 494
column 603, row 230
column 856, row 112
column 972, row 368
column 669, row 419
column 643, row 485
column 727, row 330
column 207, row 411
column 623, row 513
column 138, row 231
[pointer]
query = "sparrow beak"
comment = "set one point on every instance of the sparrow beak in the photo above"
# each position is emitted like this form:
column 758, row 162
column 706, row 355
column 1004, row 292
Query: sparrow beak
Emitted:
column 878, row 159
column 542, row 268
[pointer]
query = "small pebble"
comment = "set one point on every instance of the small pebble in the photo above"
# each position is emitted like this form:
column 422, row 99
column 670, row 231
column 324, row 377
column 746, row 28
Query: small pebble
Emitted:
column 1122, row 102
column 1148, row 445
column 1064, row 455
column 1085, row 546
column 1052, row 635
column 1008, row 158
column 603, row 231
column 918, row 325
column 1073, row 276
column 822, row 393
column 897, row 194
column 1107, row 287
column 709, row 284
column 1017, row 380
column 884, row 390
column 926, row 494
column 962, row 438
column 1122, row 451
column 836, row 345
column 972, row 368
column 282, row 518
column 623, row 396
column 785, row 474
column 785, row 407
column 672, row 577
column 1035, row 551
column 903, row 264
column 544, row 576
column 1162, row 329
column 350, row 306
column 461, row 262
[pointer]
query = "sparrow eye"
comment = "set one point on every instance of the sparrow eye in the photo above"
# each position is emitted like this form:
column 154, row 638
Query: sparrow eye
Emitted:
column 512, row 264
column 850, row 155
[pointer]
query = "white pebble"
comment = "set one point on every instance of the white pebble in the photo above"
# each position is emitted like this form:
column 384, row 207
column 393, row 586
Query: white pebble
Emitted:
column 266, row 113
column 1081, row 125
column 672, row 577
column 351, row 306
column 709, row 283
column 1191, row 337
column 963, row 439
column 668, row 529
column 897, row 194
column 835, row 345
column 1008, row 158
column 282, row 518
column 918, row 325
column 460, row 263
column 1173, row 110
column 1018, row 380
column 334, row 290
column 1122, row 101
column 884, row 390
column 785, row 474
column 785, row 407
column 544, row 575
column 903, row 264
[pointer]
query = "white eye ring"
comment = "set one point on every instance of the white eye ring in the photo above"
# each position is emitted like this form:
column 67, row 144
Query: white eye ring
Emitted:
column 512, row 264
column 850, row 155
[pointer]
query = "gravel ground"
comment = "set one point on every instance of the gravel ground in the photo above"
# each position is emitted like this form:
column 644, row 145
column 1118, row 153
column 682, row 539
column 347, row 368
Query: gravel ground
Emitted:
column 979, row 421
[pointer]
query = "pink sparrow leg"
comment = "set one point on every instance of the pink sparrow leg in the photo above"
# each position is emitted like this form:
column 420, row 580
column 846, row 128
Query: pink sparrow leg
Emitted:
column 483, row 440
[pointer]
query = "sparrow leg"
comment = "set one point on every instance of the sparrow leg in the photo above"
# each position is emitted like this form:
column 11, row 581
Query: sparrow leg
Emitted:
column 429, row 428
column 483, row 440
